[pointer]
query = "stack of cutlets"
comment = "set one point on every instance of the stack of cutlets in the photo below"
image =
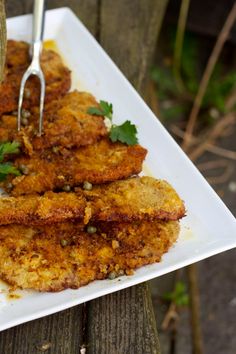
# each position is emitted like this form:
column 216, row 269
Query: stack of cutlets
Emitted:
column 79, row 211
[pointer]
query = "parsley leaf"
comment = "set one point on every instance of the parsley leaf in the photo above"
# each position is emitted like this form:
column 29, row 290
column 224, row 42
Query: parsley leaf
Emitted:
column 7, row 168
column 8, row 148
column 2, row 177
column 125, row 133
column 105, row 109
column 95, row 111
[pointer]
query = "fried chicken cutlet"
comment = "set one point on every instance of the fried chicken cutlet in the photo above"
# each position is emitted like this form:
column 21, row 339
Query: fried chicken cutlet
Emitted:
column 56, row 257
column 57, row 77
column 101, row 162
column 139, row 198
column 66, row 124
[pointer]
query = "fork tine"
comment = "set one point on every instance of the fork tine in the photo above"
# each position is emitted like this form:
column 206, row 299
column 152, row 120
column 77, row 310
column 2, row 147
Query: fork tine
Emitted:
column 42, row 96
column 35, row 68
column 21, row 96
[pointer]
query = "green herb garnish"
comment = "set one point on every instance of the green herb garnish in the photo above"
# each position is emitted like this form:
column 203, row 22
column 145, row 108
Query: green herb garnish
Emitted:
column 7, row 168
column 125, row 133
column 105, row 109
column 8, row 148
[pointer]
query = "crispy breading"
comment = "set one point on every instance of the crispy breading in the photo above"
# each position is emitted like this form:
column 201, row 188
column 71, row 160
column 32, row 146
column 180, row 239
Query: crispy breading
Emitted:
column 57, row 77
column 53, row 258
column 137, row 198
column 101, row 162
column 47, row 209
column 66, row 123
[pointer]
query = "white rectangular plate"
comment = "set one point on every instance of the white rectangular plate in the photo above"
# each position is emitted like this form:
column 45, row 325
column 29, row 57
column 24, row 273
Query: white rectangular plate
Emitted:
column 209, row 227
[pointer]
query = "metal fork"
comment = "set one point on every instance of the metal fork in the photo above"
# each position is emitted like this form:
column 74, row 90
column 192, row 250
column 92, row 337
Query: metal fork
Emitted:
column 34, row 68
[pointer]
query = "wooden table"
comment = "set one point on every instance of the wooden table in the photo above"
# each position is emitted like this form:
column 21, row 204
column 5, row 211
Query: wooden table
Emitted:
column 122, row 322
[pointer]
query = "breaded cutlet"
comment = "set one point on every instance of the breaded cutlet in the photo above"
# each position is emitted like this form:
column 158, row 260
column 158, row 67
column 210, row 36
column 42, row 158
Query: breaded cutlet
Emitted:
column 53, row 169
column 138, row 198
column 57, row 257
column 57, row 77
column 66, row 124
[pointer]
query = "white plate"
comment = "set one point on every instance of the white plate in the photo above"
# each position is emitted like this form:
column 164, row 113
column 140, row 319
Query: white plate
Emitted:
column 209, row 227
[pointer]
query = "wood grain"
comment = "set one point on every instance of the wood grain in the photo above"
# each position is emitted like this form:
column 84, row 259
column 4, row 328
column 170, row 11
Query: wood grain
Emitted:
column 16, row 8
column 86, row 10
column 60, row 333
column 129, row 31
column 123, row 323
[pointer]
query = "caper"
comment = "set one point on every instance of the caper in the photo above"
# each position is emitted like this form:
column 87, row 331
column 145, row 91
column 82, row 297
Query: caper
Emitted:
column 66, row 188
column 27, row 93
column 112, row 275
column 25, row 113
column 64, row 242
column 87, row 186
column 24, row 169
column 24, row 121
column 55, row 149
column 91, row 229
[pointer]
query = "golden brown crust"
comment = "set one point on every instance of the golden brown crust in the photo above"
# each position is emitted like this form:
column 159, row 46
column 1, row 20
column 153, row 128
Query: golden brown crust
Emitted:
column 134, row 199
column 98, row 163
column 57, row 77
column 50, row 208
column 66, row 123
column 47, row 244
column 49, row 258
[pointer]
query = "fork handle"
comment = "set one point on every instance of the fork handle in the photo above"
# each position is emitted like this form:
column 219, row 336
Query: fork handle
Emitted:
column 38, row 20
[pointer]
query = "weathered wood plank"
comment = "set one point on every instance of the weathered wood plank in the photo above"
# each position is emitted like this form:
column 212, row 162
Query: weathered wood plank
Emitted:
column 123, row 323
column 206, row 17
column 16, row 8
column 86, row 10
column 128, row 32
column 60, row 333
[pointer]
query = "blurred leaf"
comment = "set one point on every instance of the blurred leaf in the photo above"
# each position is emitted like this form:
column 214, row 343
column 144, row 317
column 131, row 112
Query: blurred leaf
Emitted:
column 220, row 86
column 219, row 89
column 173, row 112
column 190, row 62
column 165, row 82
column 179, row 295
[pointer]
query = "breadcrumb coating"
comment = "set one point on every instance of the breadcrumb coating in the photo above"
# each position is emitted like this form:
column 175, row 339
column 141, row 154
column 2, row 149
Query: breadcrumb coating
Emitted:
column 133, row 199
column 57, row 77
column 57, row 257
column 101, row 162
